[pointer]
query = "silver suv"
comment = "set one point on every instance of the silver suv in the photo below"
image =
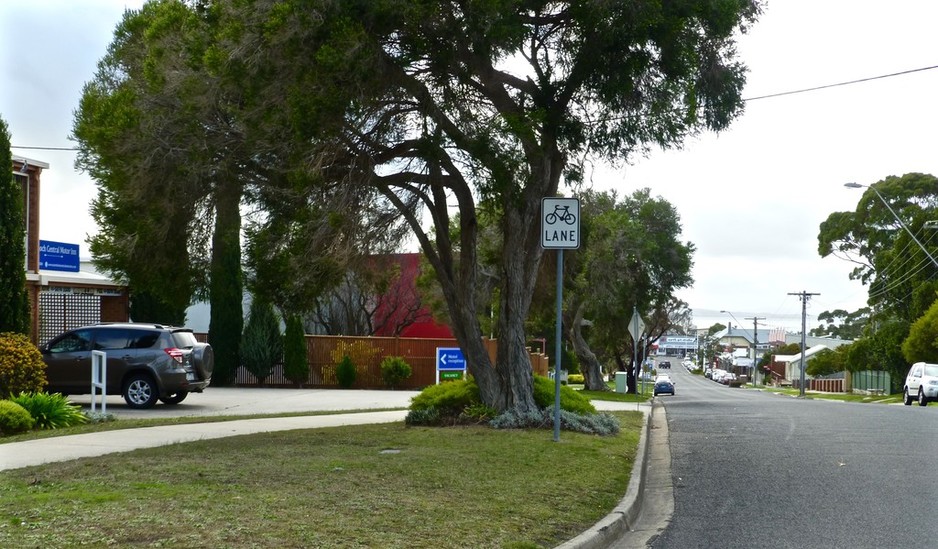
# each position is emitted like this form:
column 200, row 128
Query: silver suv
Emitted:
column 145, row 362
column 921, row 384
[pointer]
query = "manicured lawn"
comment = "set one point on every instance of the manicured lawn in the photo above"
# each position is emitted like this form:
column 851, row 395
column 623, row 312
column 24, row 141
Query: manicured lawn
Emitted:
column 366, row 486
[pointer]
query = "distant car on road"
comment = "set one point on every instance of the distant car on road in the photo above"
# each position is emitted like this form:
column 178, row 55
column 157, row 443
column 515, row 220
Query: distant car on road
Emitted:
column 921, row 384
column 663, row 385
column 145, row 362
column 664, row 365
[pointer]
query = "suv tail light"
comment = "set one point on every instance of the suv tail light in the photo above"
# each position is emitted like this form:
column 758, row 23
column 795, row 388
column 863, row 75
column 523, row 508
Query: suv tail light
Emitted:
column 175, row 353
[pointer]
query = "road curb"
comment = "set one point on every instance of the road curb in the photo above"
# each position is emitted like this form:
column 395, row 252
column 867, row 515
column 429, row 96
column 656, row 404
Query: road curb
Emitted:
column 621, row 519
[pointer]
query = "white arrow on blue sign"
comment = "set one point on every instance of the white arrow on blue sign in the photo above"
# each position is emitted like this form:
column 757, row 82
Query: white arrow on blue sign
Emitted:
column 450, row 358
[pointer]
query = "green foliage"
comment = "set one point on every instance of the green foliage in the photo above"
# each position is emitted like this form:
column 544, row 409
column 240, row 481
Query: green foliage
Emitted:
column 607, row 280
column 459, row 401
column 14, row 418
column 570, row 400
column 881, row 248
column 842, row 324
column 14, row 302
column 295, row 358
column 593, row 424
column 394, row 370
column 881, row 350
column 449, row 398
column 226, row 293
column 478, row 413
column 345, row 372
column 261, row 344
column 922, row 342
column 827, row 362
column 575, row 379
column 165, row 116
column 450, row 403
column 342, row 58
column 426, row 416
column 21, row 365
column 50, row 411
column 147, row 306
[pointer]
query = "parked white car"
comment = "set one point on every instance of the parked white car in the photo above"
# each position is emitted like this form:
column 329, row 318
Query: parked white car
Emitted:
column 921, row 384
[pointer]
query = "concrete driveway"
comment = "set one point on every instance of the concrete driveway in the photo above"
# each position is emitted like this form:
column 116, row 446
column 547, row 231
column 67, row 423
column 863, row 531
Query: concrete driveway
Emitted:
column 217, row 401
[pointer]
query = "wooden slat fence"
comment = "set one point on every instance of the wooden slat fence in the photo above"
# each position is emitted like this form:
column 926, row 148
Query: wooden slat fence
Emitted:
column 325, row 352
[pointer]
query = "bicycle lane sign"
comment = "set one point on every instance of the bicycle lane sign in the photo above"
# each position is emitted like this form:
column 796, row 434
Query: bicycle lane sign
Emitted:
column 560, row 223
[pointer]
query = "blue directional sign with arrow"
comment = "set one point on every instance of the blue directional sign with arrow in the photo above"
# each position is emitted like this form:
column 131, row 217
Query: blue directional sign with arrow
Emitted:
column 450, row 358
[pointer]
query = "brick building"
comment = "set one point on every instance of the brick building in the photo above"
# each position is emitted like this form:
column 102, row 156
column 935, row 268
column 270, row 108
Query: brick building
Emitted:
column 64, row 292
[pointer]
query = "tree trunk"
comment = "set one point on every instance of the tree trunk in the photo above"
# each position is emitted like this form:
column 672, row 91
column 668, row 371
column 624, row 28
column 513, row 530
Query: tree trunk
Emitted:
column 589, row 365
column 509, row 383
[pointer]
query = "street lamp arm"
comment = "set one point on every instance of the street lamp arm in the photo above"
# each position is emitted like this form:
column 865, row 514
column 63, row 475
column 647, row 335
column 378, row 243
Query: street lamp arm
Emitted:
column 899, row 219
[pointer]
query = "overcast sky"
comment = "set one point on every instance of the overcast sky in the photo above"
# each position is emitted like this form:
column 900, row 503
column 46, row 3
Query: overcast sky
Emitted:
column 751, row 199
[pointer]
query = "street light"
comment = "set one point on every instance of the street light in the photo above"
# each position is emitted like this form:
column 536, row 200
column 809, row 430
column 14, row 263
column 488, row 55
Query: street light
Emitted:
column 888, row 207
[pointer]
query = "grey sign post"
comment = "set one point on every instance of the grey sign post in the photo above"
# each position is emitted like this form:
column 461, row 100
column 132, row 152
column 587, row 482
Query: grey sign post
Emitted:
column 560, row 230
column 636, row 329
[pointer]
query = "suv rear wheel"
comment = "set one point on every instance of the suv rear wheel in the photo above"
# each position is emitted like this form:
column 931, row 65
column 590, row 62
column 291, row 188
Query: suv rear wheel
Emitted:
column 140, row 391
column 907, row 398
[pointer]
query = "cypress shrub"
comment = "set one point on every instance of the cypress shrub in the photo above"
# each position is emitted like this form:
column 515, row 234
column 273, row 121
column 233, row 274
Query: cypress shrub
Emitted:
column 14, row 301
column 295, row 362
column 262, row 344
column 345, row 372
column 226, row 290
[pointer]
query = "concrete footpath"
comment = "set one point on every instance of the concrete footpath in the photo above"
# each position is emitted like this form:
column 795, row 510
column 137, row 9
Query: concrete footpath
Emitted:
column 234, row 401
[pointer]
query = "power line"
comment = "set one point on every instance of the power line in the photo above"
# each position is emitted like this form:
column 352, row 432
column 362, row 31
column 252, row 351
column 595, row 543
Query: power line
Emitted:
column 847, row 83
column 769, row 96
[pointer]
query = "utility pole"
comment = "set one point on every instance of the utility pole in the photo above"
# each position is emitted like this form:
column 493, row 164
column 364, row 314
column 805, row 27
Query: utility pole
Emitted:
column 805, row 296
column 755, row 345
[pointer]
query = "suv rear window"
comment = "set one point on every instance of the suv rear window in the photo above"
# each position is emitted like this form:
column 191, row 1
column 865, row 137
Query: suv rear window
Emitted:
column 143, row 339
column 184, row 339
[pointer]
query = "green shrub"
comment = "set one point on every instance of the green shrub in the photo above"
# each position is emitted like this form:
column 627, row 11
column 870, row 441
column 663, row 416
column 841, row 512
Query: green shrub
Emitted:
column 478, row 413
column 576, row 379
column 14, row 418
column 21, row 365
column 261, row 343
column 592, row 424
column 295, row 362
column 50, row 411
column 394, row 370
column 570, row 400
column 345, row 372
column 449, row 399
column 425, row 416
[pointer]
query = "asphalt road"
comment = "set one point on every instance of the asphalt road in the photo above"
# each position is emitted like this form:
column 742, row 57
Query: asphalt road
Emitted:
column 754, row 469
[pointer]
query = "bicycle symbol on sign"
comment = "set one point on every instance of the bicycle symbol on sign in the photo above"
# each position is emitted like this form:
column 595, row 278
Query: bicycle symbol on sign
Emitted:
column 560, row 213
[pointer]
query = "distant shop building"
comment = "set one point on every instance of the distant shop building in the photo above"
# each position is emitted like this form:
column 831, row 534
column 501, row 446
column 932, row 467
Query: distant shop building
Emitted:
column 64, row 291
column 676, row 345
